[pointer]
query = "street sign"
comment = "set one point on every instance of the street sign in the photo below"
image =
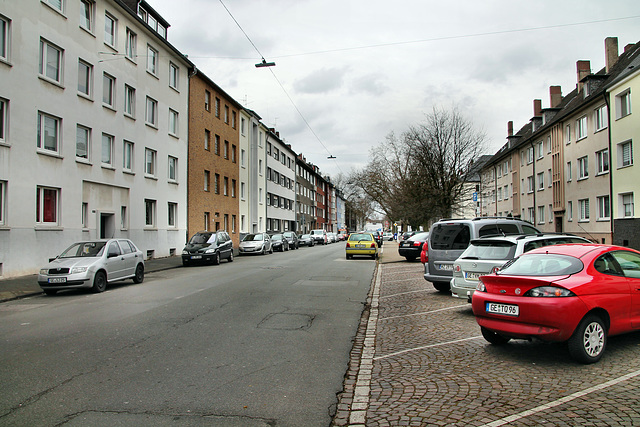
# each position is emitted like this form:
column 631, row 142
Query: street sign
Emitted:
column 475, row 196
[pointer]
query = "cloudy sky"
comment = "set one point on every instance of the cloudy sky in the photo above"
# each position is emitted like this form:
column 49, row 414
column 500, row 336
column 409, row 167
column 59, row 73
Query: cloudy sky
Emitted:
column 349, row 72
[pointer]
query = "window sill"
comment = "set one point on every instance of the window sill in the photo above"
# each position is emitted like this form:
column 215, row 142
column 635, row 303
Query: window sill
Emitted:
column 603, row 173
column 584, row 220
column 172, row 181
column 58, row 11
column 51, row 81
column 49, row 153
column 583, row 178
column 155, row 178
column 85, row 96
column 150, row 228
column 109, row 107
column 625, row 166
column 87, row 30
column 173, row 135
column 603, row 220
column 4, row 143
column 83, row 161
column 129, row 116
column 131, row 60
column 42, row 227
column 151, row 125
column 175, row 89
column 155, row 76
column 6, row 62
column 581, row 138
column 107, row 167
column 128, row 172
column 112, row 48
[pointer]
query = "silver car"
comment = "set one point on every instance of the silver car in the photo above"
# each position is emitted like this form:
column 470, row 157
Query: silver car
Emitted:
column 93, row 264
column 258, row 243
column 487, row 255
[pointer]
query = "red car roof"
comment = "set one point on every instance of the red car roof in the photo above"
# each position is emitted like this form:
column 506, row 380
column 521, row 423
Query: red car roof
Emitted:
column 577, row 250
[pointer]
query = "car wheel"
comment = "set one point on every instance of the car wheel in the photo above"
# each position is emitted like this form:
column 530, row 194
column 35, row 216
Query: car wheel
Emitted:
column 230, row 259
column 99, row 282
column 51, row 291
column 442, row 286
column 493, row 337
column 139, row 276
column 216, row 259
column 589, row 340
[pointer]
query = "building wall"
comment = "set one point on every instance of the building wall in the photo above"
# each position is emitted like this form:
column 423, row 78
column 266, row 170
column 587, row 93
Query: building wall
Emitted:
column 93, row 198
column 214, row 166
column 281, row 180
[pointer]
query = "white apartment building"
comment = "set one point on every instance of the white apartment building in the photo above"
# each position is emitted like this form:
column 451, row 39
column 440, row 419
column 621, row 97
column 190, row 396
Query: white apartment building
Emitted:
column 253, row 209
column 281, row 185
column 93, row 129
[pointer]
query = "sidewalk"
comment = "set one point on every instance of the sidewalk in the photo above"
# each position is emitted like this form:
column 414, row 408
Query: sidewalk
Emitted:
column 23, row 286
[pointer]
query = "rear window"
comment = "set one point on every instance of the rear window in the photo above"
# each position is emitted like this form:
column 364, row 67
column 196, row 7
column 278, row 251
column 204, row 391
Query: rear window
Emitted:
column 498, row 229
column 450, row 236
column 542, row 265
column 360, row 236
column 490, row 250
column 422, row 237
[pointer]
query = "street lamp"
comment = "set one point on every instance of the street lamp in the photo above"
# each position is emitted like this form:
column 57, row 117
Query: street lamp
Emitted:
column 264, row 63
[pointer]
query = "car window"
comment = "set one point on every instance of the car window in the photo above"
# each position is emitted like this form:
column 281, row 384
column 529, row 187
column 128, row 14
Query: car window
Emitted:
column 124, row 245
column 606, row 264
column 629, row 262
column 114, row 249
column 490, row 250
column 200, row 238
column 526, row 229
column 360, row 236
column 450, row 236
column 542, row 265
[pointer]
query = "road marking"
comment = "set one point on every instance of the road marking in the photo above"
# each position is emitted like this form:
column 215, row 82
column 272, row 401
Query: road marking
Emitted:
column 425, row 347
column 565, row 399
column 422, row 312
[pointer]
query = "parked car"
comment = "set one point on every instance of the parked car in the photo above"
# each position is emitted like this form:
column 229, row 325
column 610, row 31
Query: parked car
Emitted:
column 406, row 235
column 292, row 238
column 448, row 238
column 388, row 236
column 209, row 247
column 377, row 235
column 581, row 294
column 361, row 244
column 488, row 254
column 306, row 240
column 93, row 264
column 331, row 237
column 279, row 243
column 258, row 243
column 411, row 248
column 320, row 236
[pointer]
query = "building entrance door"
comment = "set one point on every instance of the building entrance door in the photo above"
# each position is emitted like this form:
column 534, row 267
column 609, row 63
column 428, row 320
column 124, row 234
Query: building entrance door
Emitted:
column 107, row 225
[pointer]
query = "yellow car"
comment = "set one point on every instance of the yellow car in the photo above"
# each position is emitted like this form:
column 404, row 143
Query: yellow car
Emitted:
column 361, row 244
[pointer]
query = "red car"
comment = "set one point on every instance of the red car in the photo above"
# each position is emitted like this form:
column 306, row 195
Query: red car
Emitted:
column 579, row 293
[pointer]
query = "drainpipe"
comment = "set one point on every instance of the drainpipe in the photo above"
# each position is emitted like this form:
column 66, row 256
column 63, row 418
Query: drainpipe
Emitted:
column 606, row 101
column 535, row 205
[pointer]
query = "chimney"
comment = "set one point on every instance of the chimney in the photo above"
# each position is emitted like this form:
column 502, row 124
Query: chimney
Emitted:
column 537, row 108
column 509, row 128
column 583, row 69
column 611, row 52
column 555, row 95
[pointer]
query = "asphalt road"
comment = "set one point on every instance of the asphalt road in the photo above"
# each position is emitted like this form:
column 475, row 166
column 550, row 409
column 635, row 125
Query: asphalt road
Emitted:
column 264, row 340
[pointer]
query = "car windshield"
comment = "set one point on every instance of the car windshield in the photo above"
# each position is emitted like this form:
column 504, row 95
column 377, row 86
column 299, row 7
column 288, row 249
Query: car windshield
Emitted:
column 200, row 238
column 305, row 236
column 356, row 237
column 420, row 237
column 543, row 265
column 84, row 249
column 490, row 250
column 276, row 237
column 250, row 237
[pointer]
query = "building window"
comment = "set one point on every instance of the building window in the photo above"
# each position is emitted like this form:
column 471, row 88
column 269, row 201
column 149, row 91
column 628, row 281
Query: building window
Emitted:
column 173, row 169
column 233, row 188
column 206, row 221
column 242, row 190
column 226, row 150
column 242, row 158
column 581, row 128
column 151, row 112
column 217, row 184
column 107, row 149
column 123, row 217
column 173, row 122
column 550, row 178
column 108, row 90
column 233, row 119
column 171, row 214
column 625, row 154
column 4, row 38
column 583, row 168
column 56, row 4
column 601, row 119
column 541, row 181
column 49, row 132
column 110, row 30
column 623, row 104
column 567, row 134
column 47, row 205
column 131, row 47
column 233, row 223
column 149, row 162
column 207, row 100
column 86, row 15
column 602, row 161
column 583, row 205
column 529, row 155
column 3, row 185
column 604, row 209
column 540, row 146
column 207, row 139
column 4, row 106
column 207, row 180
column 226, row 186
column 51, row 61
column 568, row 171
column 174, row 75
column 216, row 148
column 530, row 184
column 83, row 142
column 226, row 222
column 149, row 213
column 550, row 213
column 540, row 214
column 85, row 78
column 570, row 211
column 127, row 156
column 84, row 215
column 226, row 114
column 626, row 200
column 152, row 60
column 217, row 107
column 129, row 101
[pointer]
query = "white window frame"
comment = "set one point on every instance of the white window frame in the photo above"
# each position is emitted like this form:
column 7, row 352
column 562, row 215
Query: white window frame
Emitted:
column 152, row 60
column 153, row 114
column 150, row 213
column 129, row 101
column 3, row 202
column 4, row 121
column 623, row 104
column 128, row 155
column 86, row 131
column 569, row 171
column 625, row 154
column 131, row 45
column 87, row 22
column 626, row 201
column 173, row 122
column 207, row 181
column 581, row 128
column 530, row 184
column 46, row 64
column 42, row 133
column 57, row 5
column 172, row 169
column 540, row 214
column 172, row 214
column 604, row 208
column 5, row 39
column 583, row 168
column 85, row 76
column 600, row 118
column 174, row 75
column 107, row 150
column 583, row 207
column 110, row 31
column 150, row 162
column 602, row 162
column 108, row 91
column 541, row 181
column 540, row 146
column 570, row 210
column 567, row 134
column 40, row 206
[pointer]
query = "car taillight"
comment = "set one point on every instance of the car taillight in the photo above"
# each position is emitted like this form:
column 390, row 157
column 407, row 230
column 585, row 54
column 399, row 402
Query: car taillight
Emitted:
column 494, row 270
column 457, row 269
column 348, row 245
column 424, row 255
column 416, row 243
column 481, row 286
column 373, row 245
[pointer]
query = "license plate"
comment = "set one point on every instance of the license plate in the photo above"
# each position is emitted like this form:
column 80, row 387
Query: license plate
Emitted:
column 445, row 267
column 57, row 280
column 506, row 309
column 472, row 276
column 196, row 256
column 360, row 246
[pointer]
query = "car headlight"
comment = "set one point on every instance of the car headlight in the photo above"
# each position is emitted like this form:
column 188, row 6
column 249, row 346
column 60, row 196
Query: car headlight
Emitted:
column 549, row 292
column 75, row 270
column 185, row 252
column 44, row 271
column 209, row 251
